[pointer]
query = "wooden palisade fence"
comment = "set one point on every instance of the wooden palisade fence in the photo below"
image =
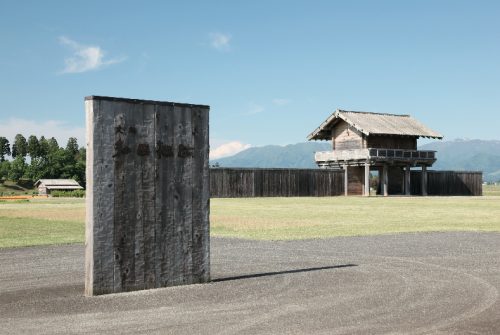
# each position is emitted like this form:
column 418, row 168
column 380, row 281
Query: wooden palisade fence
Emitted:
column 257, row 182
column 264, row 182
column 448, row 182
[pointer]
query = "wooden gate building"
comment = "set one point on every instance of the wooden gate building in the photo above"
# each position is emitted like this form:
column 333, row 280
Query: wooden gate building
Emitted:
column 387, row 143
column 148, row 187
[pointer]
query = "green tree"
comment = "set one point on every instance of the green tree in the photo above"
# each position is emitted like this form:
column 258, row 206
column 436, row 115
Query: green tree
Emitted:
column 33, row 147
column 72, row 146
column 4, row 148
column 60, row 163
column 18, row 168
column 53, row 145
column 44, row 146
column 4, row 170
column 20, row 147
column 80, row 173
column 38, row 169
column 82, row 154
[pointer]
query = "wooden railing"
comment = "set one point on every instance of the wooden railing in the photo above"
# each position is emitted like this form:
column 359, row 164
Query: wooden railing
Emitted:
column 342, row 155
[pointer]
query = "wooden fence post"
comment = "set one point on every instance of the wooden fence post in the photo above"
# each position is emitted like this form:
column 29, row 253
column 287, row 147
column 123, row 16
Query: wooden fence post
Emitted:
column 367, row 180
column 407, row 180
column 386, row 181
column 346, row 181
column 424, row 180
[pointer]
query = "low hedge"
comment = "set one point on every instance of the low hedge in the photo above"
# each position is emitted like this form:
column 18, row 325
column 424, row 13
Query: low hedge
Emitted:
column 74, row 194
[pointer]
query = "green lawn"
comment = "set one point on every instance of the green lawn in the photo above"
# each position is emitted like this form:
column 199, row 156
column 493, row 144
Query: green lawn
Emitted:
column 42, row 221
column 21, row 232
column 57, row 220
column 302, row 218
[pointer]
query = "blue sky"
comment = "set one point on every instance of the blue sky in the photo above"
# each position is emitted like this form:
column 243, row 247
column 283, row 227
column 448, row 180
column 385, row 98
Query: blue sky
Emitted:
column 271, row 71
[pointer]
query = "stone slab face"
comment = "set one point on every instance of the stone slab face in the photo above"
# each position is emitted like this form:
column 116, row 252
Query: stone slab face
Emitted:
column 148, row 195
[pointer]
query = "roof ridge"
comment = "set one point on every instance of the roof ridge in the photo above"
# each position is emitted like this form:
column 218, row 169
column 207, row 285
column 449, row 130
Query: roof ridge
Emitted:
column 403, row 115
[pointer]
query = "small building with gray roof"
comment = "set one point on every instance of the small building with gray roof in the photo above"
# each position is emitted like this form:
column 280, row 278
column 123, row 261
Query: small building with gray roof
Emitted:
column 46, row 186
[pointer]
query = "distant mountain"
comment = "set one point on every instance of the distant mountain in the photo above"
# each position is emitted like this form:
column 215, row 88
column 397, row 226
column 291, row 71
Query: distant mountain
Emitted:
column 459, row 154
column 300, row 155
column 459, row 150
column 489, row 164
column 467, row 155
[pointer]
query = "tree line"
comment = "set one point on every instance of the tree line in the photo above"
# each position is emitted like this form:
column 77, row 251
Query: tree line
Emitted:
column 48, row 160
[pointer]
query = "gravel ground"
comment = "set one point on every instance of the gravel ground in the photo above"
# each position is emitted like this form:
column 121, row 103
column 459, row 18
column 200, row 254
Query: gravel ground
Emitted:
column 426, row 283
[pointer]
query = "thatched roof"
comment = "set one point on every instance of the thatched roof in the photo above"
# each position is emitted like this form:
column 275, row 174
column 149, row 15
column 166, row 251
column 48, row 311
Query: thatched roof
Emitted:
column 374, row 124
column 66, row 184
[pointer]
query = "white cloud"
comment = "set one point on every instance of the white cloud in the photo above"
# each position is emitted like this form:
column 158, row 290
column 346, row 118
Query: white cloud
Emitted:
column 58, row 129
column 143, row 61
column 255, row 109
column 281, row 102
column 86, row 57
column 229, row 149
column 220, row 41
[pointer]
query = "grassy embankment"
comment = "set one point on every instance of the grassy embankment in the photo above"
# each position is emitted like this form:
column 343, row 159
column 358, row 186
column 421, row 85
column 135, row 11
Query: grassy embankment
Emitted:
column 59, row 220
column 18, row 188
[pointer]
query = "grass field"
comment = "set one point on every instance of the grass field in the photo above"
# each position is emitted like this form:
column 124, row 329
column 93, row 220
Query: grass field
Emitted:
column 48, row 221
column 42, row 221
column 491, row 190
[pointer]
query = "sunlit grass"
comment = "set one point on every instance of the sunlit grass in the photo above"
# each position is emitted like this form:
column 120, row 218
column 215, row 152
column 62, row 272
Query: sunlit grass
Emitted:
column 299, row 218
column 46, row 221
column 22, row 232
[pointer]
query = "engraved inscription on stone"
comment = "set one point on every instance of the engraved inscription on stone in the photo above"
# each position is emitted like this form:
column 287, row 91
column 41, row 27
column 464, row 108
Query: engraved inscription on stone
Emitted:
column 126, row 150
column 185, row 151
column 143, row 149
column 118, row 147
column 167, row 150
column 164, row 150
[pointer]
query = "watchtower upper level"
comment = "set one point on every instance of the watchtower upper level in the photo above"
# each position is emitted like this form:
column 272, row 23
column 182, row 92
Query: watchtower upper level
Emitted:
column 360, row 130
column 395, row 135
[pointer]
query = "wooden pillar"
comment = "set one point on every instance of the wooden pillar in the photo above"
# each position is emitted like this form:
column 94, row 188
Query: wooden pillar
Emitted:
column 367, row 180
column 333, row 139
column 407, row 180
column 386, row 181
column 403, row 182
column 424, row 180
column 346, row 181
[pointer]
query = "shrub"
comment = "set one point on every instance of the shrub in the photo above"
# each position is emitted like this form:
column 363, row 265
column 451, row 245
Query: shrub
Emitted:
column 35, row 193
column 78, row 193
column 25, row 193
column 74, row 194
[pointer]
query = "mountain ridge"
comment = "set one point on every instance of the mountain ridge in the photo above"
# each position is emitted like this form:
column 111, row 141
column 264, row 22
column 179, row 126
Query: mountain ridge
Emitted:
column 459, row 154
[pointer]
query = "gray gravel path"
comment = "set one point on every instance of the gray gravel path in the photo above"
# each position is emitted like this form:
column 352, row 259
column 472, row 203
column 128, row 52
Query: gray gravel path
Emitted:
column 426, row 283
